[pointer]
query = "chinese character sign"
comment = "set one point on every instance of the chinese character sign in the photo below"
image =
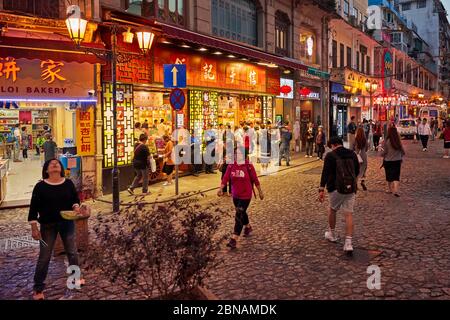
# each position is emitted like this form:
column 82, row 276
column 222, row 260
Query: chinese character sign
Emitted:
column 51, row 71
column 85, row 132
column 9, row 69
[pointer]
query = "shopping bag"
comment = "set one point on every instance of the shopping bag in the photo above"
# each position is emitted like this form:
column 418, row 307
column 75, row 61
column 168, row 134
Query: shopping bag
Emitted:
column 152, row 165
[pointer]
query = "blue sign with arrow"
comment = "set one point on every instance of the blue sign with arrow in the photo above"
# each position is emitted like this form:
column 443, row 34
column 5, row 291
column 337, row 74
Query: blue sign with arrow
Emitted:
column 174, row 76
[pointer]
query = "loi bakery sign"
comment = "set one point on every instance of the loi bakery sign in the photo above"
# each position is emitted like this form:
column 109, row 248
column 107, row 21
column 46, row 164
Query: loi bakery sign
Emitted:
column 44, row 79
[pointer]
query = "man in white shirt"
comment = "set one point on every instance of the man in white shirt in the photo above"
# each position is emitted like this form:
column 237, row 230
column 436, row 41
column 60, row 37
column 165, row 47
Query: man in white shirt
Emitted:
column 162, row 129
column 17, row 143
column 424, row 133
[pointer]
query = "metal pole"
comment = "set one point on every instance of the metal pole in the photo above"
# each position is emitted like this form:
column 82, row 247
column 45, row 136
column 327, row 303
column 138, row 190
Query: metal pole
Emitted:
column 176, row 180
column 115, row 172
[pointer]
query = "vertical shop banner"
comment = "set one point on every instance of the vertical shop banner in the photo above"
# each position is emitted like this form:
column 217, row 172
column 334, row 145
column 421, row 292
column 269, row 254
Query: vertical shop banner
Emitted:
column 388, row 70
column 125, row 125
column 85, row 132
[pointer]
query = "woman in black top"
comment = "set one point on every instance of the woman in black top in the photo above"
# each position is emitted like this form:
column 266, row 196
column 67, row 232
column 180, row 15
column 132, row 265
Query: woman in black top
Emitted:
column 141, row 163
column 50, row 196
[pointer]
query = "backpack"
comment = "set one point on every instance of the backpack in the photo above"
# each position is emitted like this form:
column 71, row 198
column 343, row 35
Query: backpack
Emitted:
column 345, row 175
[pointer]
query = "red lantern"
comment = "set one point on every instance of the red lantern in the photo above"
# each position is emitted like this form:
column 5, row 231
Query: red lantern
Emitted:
column 304, row 92
column 285, row 90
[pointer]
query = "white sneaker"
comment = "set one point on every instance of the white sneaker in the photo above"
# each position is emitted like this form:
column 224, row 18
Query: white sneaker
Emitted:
column 330, row 236
column 348, row 248
column 166, row 184
column 318, row 158
column 306, row 156
column 446, row 157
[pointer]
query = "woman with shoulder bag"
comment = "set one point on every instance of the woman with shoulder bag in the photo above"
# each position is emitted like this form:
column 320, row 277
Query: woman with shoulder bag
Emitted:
column 141, row 164
column 361, row 148
column 393, row 154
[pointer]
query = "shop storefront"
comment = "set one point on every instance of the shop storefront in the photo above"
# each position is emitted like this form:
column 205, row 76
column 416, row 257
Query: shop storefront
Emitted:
column 45, row 97
column 339, row 110
column 221, row 91
column 284, row 102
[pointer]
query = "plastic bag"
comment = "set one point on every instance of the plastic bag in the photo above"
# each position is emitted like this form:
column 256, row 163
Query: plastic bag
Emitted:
column 152, row 164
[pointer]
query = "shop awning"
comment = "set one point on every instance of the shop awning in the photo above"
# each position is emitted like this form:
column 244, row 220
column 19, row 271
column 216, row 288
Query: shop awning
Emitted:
column 31, row 48
column 229, row 46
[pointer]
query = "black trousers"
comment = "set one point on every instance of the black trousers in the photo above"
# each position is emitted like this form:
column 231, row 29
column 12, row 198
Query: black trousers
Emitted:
column 376, row 141
column 424, row 140
column 241, row 218
column 25, row 153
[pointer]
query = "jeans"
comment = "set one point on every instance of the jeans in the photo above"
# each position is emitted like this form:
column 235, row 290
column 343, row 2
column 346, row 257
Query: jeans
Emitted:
column 424, row 140
column 285, row 153
column 241, row 218
column 66, row 230
column 38, row 150
column 140, row 174
column 320, row 150
column 309, row 147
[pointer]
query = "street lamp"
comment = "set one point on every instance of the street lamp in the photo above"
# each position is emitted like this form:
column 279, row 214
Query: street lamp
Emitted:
column 77, row 29
column 371, row 88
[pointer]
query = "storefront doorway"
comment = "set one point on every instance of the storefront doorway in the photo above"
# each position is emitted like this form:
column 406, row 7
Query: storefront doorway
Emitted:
column 35, row 121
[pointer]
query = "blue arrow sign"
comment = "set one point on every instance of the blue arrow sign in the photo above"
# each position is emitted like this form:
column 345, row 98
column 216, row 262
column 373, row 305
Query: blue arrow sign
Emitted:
column 174, row 76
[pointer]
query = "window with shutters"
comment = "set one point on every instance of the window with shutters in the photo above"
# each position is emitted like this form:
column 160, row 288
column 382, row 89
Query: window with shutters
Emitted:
column 236, row 20
column 39, row 8
column 170, row 11
column 282, row 24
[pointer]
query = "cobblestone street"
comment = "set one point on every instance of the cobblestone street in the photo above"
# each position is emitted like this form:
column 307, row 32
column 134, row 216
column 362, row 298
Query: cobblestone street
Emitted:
column 408, row 238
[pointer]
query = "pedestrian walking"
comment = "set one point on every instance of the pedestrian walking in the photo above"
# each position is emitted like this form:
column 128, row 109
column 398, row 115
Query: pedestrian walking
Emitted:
column 446, row 136
column 243, row 178
column 25, row 143
column 370, row 139
column 265, row 147
column 141, row 164
column 433, row 127
column 393, row 154
column 52, row 195
column 309, row 140
column 169, row 164
column 351, row 129
column 39, row 143
column 49, row 147
column 417, row 137
column 339, row 176
column 286, row 138
column 210, row 142
column 320, row 143
column 17, row 143
column 424, row 133
column 377, row 135
column 361, row 148
column 297, row 136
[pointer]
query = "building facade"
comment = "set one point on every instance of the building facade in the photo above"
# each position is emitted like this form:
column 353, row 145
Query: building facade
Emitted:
column 431, row 23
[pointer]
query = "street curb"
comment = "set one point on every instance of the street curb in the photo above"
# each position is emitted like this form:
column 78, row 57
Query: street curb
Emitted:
column 129, row 204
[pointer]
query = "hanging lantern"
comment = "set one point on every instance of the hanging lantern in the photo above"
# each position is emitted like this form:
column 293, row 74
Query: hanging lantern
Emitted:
column 304, row 91
column 285, row 90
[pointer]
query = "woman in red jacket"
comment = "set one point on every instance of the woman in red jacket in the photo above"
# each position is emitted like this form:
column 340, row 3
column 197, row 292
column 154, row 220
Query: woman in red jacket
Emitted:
column 446, row 134
column 242, row 175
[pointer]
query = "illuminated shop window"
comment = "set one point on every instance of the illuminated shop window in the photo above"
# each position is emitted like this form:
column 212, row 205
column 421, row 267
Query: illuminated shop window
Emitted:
column 203, row 110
